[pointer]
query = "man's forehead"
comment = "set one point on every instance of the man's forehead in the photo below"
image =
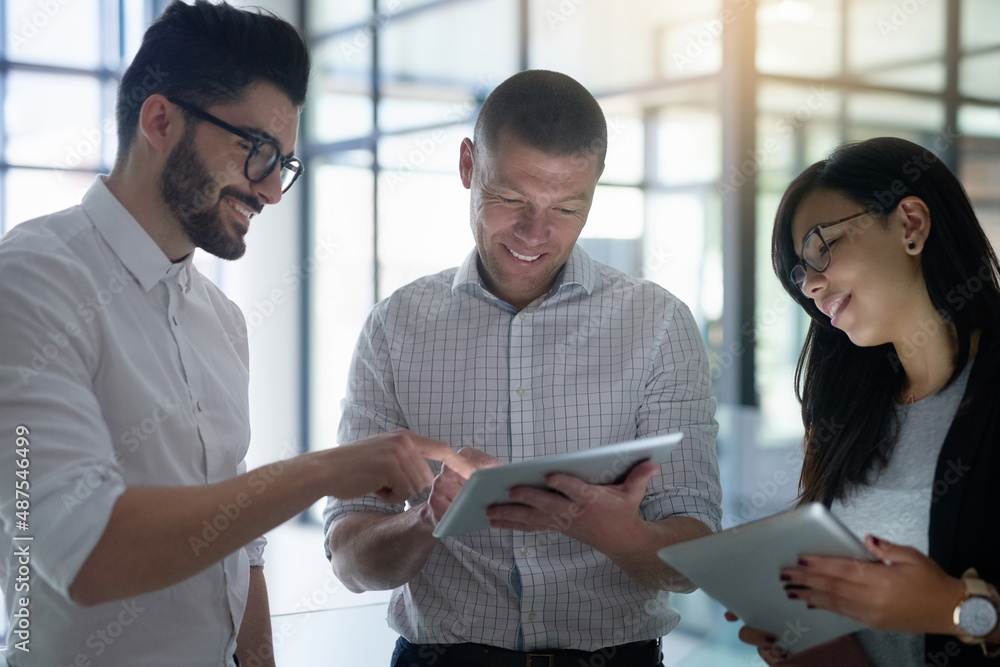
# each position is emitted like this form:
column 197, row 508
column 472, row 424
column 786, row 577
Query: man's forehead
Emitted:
column 528, row 159
column 526, row 177
column 265, row 110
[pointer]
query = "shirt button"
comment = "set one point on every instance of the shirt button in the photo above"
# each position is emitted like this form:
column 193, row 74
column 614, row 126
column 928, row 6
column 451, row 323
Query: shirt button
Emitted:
column 525, row 551
column 520, row 391
column 531, row 616
column 522, row 316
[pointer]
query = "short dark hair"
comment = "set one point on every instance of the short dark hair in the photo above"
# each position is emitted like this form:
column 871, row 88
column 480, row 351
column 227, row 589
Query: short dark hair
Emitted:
column 878, row 174
column 207, row 54
column 546, row 110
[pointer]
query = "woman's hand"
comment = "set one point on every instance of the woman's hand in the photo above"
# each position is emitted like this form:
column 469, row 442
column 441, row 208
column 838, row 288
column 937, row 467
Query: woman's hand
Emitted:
column 903, row 590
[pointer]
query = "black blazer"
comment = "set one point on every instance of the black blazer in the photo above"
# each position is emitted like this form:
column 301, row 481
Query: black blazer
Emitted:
column 965, row 508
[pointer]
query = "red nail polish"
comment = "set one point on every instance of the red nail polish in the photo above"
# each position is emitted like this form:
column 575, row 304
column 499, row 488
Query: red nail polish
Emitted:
column 793, row 596
column 785, row 577
column 877, row 542
column 803, row 562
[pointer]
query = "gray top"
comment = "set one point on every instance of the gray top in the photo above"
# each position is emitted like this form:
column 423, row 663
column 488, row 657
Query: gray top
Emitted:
column 896, row 505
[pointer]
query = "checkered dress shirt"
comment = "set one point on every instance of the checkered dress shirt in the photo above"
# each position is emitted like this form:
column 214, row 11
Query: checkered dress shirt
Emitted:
column 602, row 358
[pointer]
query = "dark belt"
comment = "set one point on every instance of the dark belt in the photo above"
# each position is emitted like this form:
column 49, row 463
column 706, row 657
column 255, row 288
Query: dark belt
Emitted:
column 637, row 654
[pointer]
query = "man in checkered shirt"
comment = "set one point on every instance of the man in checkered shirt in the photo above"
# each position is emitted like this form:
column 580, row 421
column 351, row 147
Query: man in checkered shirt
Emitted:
column 531, row 348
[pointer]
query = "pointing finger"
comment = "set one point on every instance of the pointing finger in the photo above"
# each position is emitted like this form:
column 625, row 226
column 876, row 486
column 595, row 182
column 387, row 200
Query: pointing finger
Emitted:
column 439, row 451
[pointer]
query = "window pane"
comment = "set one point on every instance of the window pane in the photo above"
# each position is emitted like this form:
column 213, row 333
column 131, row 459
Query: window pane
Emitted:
column 874, row 114
column 340, row 105
column 682, row 251
column 342, row 289
column 617, row 213
column 32, row 193
column 438, row 45
column 346, row 55
column 980, row 19
column 929, row 76
column 626, row 146
column 109, row 144
column 799, row 38
column 979, row 121
column 625, row 44
column 689, row 145
column 979, row 76
column 55, row 32
column 790, row 118
column 980, row 170
column 134, row 20
column 676, row 254
column 412, row 106
column 394, row 6
column 423, row 227
column 430, row 150
column 324, row 15
column 889, row 33
column 55, row 121
column 792, row 133
column 779, row 328
column 690, row 44
column 336, row 117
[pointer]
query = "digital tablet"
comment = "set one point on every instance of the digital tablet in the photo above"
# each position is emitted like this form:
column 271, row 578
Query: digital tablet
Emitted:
column 740, row 567
column 608, row 464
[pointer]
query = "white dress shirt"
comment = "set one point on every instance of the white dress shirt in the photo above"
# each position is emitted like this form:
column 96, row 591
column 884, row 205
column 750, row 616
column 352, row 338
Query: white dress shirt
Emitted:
column 126, row 370
column 602, row 358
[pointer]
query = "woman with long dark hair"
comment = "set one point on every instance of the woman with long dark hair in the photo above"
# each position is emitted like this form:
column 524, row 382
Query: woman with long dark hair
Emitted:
column 898, row 381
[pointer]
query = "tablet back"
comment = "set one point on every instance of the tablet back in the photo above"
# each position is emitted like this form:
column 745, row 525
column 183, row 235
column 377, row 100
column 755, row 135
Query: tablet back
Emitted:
column 740, row 567
column 608, row 464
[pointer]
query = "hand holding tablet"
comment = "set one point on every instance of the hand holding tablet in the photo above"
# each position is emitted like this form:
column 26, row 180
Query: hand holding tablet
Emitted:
column 601, row 465
column 740, row 567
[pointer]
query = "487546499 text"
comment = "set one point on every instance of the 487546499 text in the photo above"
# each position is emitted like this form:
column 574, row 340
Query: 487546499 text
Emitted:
column 21, row 617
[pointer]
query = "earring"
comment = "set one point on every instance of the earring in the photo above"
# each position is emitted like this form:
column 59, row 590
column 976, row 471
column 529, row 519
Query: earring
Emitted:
column 911, row 245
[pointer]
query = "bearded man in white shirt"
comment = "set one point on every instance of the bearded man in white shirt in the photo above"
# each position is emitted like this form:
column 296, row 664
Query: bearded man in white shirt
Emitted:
column 531, row 348
column 120, row 550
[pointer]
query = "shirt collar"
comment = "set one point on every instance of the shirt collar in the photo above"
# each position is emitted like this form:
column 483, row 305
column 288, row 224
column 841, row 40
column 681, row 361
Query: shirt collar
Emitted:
column 579, row 269
column 468, row 273
column 136, row 250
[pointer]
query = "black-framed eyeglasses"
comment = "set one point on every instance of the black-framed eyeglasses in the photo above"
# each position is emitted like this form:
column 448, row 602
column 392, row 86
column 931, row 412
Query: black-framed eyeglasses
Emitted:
column 816, row 251
column 264, row 155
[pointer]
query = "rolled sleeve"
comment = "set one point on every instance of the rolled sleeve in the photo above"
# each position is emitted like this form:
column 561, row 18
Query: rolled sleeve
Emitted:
column 255, row 551
column 678, row 399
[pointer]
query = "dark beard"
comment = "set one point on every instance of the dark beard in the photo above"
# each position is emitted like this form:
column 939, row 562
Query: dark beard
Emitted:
column 185, row 186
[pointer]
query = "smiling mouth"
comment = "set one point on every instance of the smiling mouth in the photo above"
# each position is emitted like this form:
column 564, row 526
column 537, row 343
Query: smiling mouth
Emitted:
column 836, row 307
column 243, row 210
column 524, row 258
